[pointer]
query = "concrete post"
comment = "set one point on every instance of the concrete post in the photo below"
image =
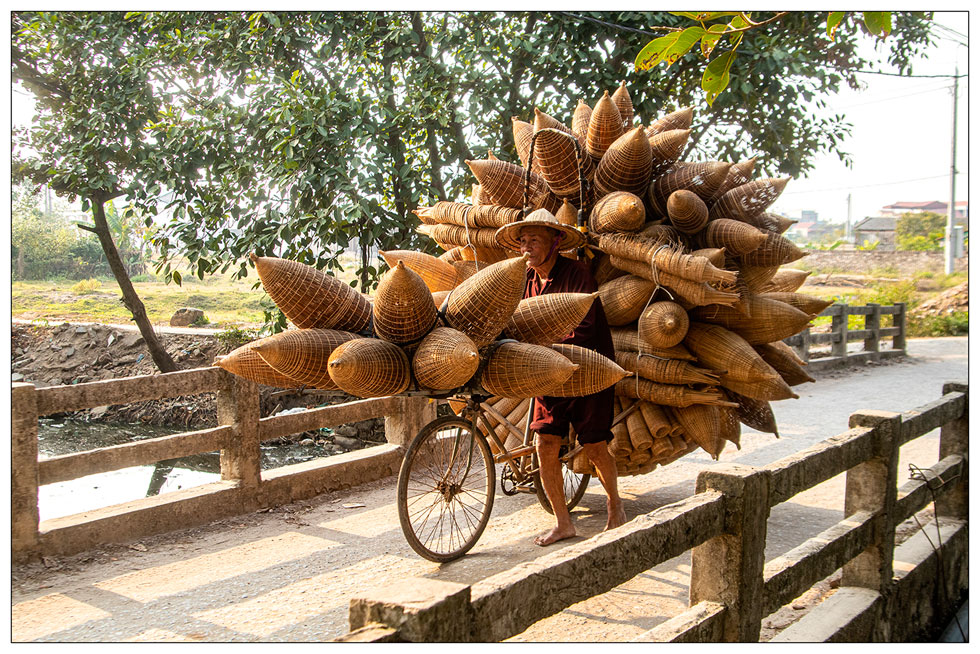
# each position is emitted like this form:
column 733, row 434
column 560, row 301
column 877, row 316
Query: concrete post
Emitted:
column 804, row 351
column 954, row 438
column 873, row 486
column 405, row 423
column 238, row 405
column 728, row 568
column 423, row 610
column 24, row 538
column 872, row 322
column 898, row 320
column 838, row 327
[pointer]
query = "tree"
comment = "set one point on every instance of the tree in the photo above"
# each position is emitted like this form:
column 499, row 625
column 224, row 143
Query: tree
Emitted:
column 920, row 231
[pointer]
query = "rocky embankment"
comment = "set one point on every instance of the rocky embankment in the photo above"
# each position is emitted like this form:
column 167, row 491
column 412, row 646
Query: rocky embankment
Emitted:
column 75, row 354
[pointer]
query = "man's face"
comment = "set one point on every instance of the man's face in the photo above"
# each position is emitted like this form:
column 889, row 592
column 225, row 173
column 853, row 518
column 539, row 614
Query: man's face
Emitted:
column 537, row 242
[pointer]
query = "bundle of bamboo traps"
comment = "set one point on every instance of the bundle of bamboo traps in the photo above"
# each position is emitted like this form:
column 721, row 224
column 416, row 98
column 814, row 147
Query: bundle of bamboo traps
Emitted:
column 686, row 256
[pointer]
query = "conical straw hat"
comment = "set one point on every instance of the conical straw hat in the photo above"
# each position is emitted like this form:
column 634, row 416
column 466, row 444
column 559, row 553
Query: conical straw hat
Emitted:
column 547, row 319
column 605, row 126
column 523, row 370
column 687, row 212
column 481, row 305
column 246, row 362
column 370, row 367
column 626, row 165
column 404, row 310
column 619, row 211
column 680, row 119
column 623, row 101
column 437, row 274
column 509, row 236
column 302, row 354
column 595, row 372
column 663, row 324
column 310, row 298
column 445, row 359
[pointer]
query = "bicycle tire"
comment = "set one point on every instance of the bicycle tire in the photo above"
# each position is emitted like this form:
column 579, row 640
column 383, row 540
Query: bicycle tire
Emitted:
column 443, row 511
column 574, row 485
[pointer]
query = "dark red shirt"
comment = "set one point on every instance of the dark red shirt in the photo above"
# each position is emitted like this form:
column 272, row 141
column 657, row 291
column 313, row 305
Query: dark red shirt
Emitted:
column 590, row 415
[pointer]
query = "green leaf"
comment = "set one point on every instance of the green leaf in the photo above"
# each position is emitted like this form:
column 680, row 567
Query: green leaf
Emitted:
column 685, row 42
column 176, row 277
column 710, row 40
column 716, row 75
column 833, row 22
column 668, row 48
column 878, row 23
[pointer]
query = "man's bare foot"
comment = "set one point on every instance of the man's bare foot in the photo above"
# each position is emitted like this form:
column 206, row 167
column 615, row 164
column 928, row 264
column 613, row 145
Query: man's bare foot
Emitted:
column 554, row 536
column 617, row 517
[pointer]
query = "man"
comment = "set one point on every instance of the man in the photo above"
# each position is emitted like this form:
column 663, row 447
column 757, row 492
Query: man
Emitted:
column 541, row 237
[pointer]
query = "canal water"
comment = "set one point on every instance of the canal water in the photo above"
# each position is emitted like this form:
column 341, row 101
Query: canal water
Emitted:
column 57, row 437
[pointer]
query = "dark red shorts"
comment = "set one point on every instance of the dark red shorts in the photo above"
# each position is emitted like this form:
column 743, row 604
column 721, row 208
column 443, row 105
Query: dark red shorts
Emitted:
column 591, row 416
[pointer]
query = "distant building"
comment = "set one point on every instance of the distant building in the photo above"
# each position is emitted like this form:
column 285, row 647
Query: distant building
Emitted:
column 809, row 231
column 809, row 216
column 935, row 206
column 880, row 229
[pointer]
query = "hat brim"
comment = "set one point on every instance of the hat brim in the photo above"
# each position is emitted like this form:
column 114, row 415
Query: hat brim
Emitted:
column 508, row 236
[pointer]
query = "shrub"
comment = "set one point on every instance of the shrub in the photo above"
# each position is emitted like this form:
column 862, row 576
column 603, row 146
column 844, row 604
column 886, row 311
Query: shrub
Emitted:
column 235, row 337
column 954, row 324
column 86, row 286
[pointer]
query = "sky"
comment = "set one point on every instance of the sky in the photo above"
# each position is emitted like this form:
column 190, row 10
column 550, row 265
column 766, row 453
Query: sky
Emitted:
column 901, row 140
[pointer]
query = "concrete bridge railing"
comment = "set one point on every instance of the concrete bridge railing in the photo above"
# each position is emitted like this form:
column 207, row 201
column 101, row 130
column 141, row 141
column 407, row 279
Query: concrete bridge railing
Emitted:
column 840, row 336
column 243, row 487
column 887, row 593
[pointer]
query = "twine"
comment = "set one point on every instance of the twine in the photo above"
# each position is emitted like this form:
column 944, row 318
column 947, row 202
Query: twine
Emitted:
column 639, row 341
column 469, row 243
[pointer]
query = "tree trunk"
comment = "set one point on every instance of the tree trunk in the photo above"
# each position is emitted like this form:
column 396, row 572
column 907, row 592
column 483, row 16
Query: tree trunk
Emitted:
column 129, row 296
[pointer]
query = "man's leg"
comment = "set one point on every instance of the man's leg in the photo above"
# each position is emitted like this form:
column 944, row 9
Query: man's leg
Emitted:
column 605, row 467
column 548, row 446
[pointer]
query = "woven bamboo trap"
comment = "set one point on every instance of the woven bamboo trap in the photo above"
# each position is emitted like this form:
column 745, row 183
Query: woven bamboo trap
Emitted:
column 370, row 367
column 787, row 280
column 302, row 354
column 785, row 362
column 673, row 395
column 756, row 414
column 626, row 165
column 679, row 119
column 701, row 178
column 703, row 424
column 503, row 183
column 580, row 122
column 523, row 131
column 619, row 211
column 776, row 250
column 549, row 318
column 770, row 389
column 687, row 212
column 555, row 156
column 748, row 200
column 723, row 350
column 735, row 236
column 481, row 305
column 808, row 304
column 404, row 310
column 624, row 298
column 626, row 340
column 595, row 372
column 666, row 148
column 605, row 126
column 665, row 371
column 245, row 362
column 740, row 173
column 437, row 274
column 522, row 370
column 662, row 324
column 445, row 359
column 621, row 98
column 468, row 215
column 771, row 320
column 310, row 298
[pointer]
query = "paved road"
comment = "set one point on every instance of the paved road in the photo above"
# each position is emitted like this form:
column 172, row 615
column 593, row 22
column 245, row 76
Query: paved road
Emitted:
column 288, row 574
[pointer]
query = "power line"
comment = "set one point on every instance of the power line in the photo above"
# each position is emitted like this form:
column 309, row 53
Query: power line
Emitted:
column 848, row 188
column 892, row 97
column 880, row 72
column 611, row 25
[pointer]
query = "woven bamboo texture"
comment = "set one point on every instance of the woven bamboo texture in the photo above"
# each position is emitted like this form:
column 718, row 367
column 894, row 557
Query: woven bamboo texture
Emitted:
column 735, row 236
column 523, row 370
column 302, row 354
column 694, row 268
column 715, row 256
column 740, row 173
column 369, row 367
column 621, row 98
column 640, row 436
column 687, row 212
column 452, row 254
column 523, row 131
column 503, row 182
column 672, row 395
column 776, row 250
column 665, row 371
column 310, row 298
column 696, row 293
column 756, row 278
column 702, row 424
column 730, row 427
column 404, row 310
column 748, row 200
column 605, row 126
column 468, row 215
column 785, row 362
column 595, row 372
column 245, row 362
column 663, row 233
column 516, row 415
column 770, row 389
column 549, row 318
column 625, row 339
column 445, row 359
column 456, row 236
column 679, row 119
column 476, row 195
column 666, row 147
column 624, row 298
column 438, row 275
column 482, row 304
column 605, row 271
column 702, row 178
column 775, row 222
column 580, row 123
column 723, row 350
column 808, row 304
column 620, row 211
column 439, row 297
column 657, row 423
column 662, row 324
column 770, row 320
column 466, row 269
column 626, row 165
column 555, row 155
column 753, row 413
column 787, row 280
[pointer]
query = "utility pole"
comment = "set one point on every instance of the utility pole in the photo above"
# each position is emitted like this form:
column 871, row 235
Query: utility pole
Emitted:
column 950, row 217
column 847, row 231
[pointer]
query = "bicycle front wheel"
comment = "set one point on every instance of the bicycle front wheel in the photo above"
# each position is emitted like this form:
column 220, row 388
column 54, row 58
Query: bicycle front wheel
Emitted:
column 445, row 489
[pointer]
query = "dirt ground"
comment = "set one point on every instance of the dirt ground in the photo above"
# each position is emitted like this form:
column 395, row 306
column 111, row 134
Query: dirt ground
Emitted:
column 288, row 574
